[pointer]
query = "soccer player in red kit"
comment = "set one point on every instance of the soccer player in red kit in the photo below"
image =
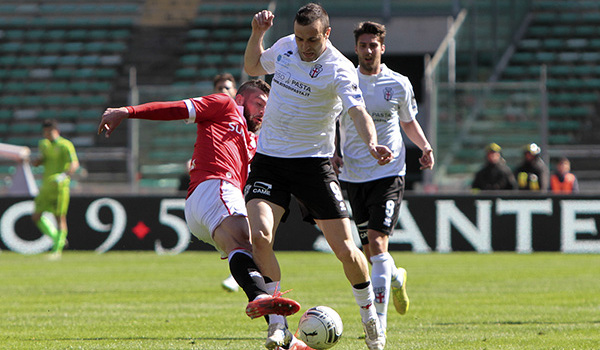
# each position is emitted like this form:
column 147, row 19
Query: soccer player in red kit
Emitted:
column 214, row 209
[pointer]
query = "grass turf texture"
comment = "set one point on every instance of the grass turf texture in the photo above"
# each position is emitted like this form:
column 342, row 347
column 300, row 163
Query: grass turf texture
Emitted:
column 134, row 300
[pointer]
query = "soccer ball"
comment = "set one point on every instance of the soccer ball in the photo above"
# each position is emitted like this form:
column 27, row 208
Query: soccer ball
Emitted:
column 320, row 327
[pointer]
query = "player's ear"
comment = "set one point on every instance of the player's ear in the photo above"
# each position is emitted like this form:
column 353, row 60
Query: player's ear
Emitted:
column 239, row 99
column 382, row 49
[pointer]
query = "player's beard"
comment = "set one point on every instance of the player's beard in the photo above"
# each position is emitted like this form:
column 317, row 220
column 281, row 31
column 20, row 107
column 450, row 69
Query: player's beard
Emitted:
column 369, row 66
column 253, row 125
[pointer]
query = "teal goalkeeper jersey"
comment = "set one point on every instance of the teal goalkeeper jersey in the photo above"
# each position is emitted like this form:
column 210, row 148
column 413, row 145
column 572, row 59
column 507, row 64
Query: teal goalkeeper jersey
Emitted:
column 57, row 155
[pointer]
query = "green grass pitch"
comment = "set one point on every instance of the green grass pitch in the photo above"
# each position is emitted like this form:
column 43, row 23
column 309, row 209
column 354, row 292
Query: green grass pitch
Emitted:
column 139, row 300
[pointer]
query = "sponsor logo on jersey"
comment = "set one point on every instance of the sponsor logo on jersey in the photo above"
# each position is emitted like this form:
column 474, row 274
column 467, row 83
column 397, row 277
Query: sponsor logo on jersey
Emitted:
column 381, row 116
column 237, row 128
column 286, row 81
column 315, row 70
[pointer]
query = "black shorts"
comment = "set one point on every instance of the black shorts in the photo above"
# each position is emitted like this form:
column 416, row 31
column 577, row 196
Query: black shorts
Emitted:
column 311, row 180
column 375, row 204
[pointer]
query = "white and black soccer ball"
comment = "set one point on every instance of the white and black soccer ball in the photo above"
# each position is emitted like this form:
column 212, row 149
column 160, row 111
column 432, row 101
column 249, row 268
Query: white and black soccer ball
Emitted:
column 320, row 327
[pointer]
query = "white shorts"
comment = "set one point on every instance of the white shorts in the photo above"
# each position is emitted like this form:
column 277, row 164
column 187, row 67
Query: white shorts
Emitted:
column 210, row 203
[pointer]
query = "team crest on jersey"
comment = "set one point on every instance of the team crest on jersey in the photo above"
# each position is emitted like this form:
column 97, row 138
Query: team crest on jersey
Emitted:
column 388, row 92
column 316, row 70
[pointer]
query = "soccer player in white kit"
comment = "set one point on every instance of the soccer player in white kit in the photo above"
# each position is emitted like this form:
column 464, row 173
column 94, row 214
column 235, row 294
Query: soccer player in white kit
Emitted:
column 312, row 84
column 214, row 208
column 374, row 191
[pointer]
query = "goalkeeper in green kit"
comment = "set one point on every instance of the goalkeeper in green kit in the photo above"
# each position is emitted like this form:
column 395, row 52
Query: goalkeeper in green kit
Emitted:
column 59, row 159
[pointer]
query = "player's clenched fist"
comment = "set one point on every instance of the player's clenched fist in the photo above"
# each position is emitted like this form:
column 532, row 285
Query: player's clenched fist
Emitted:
column 263, row 20
column 426, row 159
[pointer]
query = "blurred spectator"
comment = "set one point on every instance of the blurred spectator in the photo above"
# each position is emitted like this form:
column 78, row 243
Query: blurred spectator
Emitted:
column 224, row 83
column 495, row 175
column 532, row 174
column 562, row 180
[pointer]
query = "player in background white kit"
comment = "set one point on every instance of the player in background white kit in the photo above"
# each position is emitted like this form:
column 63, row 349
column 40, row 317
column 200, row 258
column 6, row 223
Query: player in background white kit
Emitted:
column 312, row 84
column 214, row 208
column 374, row 191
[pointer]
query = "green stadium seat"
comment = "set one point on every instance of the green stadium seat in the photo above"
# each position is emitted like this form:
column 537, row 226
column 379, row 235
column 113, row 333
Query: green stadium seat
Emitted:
column 523, row 57
column 213, row 59
column 48, row 114
column 49, row 60
column 5, row 114
column 190, row 59
column 93, row 47
column 554, row 44
column 11, row 47
column 77, row 34
column 73, row 47
column 207, row 73
column 590, row 57
column 585, row 30
column 86, row 128
column 14, row 86
column 119, row 34
column 57, row 34
column 199, row 33
column 195, row 46
column 530, row 44
column 566, row 125
column 98, row 34
column 52, row 47
column 545, row 57
column 14, row 34
column 36, row 86
column 105, row 73
column 89, row 60
column 27, row 61
column 20, row 73
column 234, row 59
column 70, row 60
column 8, row 60
column 222, row 34
column 239, row 46
column 560, row 139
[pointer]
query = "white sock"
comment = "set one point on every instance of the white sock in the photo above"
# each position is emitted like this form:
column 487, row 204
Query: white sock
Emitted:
column 381, row 279
column 273, row 287
column 364, row 298
column 277, row 319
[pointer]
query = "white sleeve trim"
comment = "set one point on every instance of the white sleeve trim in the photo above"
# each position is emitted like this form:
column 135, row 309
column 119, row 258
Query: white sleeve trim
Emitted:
column 191, row 111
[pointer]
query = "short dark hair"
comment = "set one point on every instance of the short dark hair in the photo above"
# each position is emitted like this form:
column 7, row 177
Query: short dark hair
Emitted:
column 370, row 28
column 254, row 84
column 310, row 13
column 50, row 123
column 223, row 77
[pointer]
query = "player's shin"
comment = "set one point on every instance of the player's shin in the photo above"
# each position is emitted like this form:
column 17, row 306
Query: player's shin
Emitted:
column 246, row 274
column 380, row 278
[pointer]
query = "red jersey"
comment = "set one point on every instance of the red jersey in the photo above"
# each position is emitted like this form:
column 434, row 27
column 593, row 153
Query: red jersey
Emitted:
column 224, row 147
